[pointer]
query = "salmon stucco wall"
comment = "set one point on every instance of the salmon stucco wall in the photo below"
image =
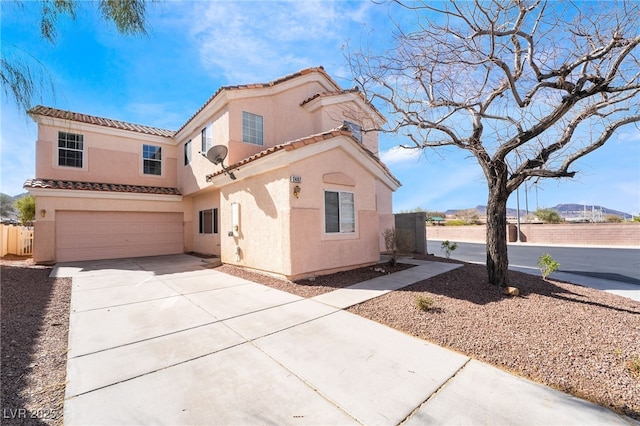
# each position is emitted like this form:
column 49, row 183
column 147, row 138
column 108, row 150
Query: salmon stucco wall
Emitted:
column 263, row 231
column 282, row 216
column 120, row 163
column 313, row 251
column 205, row 243
column 333, row 116
column 284, row 119
column 384, row 206
column 192, row 176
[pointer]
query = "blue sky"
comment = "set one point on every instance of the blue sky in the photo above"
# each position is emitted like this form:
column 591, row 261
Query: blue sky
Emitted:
column 195, row 47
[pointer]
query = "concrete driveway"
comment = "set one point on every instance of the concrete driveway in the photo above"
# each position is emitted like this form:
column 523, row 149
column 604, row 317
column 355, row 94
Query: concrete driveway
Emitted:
column 166, row 340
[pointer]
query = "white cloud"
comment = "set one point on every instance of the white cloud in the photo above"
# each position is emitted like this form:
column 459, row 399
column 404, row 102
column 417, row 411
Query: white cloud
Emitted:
column 632, row 135
column 249, row 42
column 399, row 155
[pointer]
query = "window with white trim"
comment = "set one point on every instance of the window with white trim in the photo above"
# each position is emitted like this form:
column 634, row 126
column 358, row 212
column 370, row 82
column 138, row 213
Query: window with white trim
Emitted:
column 70, row 149
column 208, row 223
column 151, row 160
column 339, row 212
column 206, row 140
column 187, row 152
column 252, row 128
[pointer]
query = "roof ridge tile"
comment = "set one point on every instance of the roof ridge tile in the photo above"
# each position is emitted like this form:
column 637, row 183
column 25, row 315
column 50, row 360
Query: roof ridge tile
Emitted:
column 98, row 186
column 308, row 140
column 99, row 121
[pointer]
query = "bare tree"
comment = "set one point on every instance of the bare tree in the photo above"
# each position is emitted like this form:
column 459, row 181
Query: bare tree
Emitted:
column 527, row 87
column 470, row 216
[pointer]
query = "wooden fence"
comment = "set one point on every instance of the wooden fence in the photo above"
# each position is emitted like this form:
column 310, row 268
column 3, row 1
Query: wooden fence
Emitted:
column 16, row 240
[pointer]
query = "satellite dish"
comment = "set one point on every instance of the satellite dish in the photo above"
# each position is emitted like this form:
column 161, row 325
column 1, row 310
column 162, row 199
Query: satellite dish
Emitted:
column 217, row 154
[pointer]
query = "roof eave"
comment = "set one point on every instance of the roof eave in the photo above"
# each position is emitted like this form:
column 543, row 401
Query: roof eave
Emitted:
column 40, row 114
column 221, row 96
column 288, row 153
column 339, row 98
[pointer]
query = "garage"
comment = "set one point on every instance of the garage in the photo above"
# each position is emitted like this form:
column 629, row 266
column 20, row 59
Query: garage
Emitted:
column 83, row 235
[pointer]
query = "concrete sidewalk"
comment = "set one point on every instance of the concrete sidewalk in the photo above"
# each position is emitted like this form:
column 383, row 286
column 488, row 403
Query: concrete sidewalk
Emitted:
column 165, row 340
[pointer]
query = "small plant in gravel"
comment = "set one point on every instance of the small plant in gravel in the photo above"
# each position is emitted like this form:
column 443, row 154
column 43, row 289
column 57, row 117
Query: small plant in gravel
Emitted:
column 396, row 241
column 448, row 247
column 390, row 238
column 634, row 366
column 547, row 265
column 425, row 303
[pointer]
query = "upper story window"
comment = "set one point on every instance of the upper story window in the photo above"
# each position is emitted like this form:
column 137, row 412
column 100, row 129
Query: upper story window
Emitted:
column 187, row 152
column 151, row 160
column 70, row 149
column 206, row 140
column 339, row 212
column 355, row 129
column 252, row 128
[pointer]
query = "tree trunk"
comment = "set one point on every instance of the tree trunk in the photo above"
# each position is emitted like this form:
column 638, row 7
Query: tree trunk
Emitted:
column 497, row 258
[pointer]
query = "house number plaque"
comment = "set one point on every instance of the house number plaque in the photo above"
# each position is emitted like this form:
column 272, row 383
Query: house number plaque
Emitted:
column 296, row 179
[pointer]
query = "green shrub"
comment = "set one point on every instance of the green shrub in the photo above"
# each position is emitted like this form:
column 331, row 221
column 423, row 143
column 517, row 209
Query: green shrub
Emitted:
column 26, row 207
column 548, row 215
column 547, row 265
column 424, row 303
column 448, row 247
column 455, row 222
column 612, row 218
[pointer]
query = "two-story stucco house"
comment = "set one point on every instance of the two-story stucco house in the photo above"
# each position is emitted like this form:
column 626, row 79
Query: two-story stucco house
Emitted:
column 302, row 191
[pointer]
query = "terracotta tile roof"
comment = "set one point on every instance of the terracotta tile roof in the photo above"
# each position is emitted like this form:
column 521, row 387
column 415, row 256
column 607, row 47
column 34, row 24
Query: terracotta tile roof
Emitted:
column 326, row 94
column 298, row 143
column 263, row 85
column 355, row 90
column 140, row 128
column 96, row 186
column 99, row 121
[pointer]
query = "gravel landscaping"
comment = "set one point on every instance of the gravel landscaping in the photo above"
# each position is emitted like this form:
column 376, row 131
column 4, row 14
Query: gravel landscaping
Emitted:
column 573, row 338
column 35, row 326
column 576, row 339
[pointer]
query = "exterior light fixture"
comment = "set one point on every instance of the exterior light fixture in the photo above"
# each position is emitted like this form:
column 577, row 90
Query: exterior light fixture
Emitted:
column 296, row 191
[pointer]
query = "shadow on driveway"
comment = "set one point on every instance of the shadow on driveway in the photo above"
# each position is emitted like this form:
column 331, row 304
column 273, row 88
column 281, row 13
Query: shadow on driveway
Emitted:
column 34, row 343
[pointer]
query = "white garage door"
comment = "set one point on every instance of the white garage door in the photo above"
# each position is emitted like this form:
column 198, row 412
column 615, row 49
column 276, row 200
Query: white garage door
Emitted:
column 112, row 235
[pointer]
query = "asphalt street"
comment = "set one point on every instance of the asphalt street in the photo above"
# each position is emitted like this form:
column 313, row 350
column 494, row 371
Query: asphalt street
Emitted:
column 615, row 264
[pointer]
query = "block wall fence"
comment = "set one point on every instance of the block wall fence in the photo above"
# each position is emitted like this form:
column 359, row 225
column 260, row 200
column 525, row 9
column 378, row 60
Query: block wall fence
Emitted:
column 587, row 234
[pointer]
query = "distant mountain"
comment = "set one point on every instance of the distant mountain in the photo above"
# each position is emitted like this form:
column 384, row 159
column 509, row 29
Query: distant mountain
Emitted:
column 12, row 214
column 482, row 211
column 567, row 211
column 14, row 198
